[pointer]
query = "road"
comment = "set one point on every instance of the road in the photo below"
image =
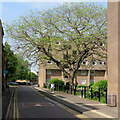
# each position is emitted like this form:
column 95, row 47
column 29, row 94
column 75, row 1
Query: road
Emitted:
column 29, row 103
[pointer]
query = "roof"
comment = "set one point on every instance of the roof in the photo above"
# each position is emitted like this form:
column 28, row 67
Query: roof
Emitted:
column 22, row 81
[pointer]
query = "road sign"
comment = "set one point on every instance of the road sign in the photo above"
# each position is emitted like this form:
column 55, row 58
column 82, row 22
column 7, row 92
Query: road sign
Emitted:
column 5, row 72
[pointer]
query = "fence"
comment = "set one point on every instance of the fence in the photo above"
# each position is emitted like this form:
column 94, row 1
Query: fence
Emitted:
column 85, row 92
column 91, row 93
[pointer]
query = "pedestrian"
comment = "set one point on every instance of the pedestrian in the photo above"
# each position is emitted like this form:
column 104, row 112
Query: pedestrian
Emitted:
column 52, row 88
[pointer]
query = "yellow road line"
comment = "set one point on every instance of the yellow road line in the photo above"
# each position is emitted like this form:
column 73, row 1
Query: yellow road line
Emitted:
column 14, row 107
column 16, row 111
column 17, row 106
column 38, row 92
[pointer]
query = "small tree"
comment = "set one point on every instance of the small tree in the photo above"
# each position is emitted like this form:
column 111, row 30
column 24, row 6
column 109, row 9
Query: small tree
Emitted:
column 56, row 81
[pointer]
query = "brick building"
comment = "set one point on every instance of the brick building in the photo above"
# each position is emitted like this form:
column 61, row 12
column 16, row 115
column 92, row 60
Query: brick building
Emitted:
column 88, row 72
column 3, row 63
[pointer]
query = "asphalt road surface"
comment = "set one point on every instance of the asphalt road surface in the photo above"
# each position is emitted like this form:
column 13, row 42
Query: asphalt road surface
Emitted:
column 29, row 103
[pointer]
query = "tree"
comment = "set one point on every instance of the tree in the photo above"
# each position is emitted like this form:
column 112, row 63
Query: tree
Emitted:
column 67, row 35
column 16, row 66
column 22, row 69
column 11, row 61
column 33, row 76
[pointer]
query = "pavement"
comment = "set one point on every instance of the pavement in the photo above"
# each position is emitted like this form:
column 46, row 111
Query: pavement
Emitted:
column 88, row 108
column 6, row 99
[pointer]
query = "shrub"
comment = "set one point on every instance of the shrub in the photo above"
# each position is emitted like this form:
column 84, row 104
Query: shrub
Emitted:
column 100, row 84
column 68, row 83
column 91, row 83
column 56, row 81
column 79, row 86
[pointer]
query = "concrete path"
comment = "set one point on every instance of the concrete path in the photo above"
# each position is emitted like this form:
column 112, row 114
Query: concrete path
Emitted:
column 88, row 108
column 6, row 98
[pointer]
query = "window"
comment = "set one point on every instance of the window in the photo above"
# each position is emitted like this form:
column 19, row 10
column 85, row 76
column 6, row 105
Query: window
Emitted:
column 101, row 63
column 48, row 71
column 48, row 81
column 92, row 81
column 83, row 72
column 83, row 81
column 65, row 76
column 92, row 72
column 85, row 62
column 57, row 43
column 49, row 62
column 94, row 63
column 101, row 44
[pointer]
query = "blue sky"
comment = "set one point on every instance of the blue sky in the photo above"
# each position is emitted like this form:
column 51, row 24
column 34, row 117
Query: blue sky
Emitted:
column 12, row 10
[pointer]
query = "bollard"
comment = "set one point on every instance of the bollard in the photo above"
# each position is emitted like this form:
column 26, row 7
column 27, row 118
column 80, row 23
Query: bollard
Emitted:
column 91, row 93
column 106, row 95
column 71, row 89
column 99, row 95
column 84, row 92
column 74, row 89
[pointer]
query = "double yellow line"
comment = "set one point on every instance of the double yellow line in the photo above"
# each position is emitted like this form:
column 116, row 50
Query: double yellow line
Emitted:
column 15, row 108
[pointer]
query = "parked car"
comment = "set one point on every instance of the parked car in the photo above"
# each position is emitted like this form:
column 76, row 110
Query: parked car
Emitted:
column 13, row 83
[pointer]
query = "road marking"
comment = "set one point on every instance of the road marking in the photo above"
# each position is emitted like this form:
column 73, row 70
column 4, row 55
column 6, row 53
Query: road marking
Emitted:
column 37, row 105
column 14, row 107
column 51, row 104
column 15, row 111
column 17, row 106
column 96, row 104
column 37, row 92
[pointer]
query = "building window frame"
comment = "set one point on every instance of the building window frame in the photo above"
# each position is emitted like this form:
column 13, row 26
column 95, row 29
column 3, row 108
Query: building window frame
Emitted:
column 92, row 72
column 57, row 43
column 85, row 62
column 101, row 44
column 92, row 81
column 48, row 71
column 49, row 62
column 83, row 81
column 94, row 62
column 101, row 63
column 83, row 72
column 47, row 81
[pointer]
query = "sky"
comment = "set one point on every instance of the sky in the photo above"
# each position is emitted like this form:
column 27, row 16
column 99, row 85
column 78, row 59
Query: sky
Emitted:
column 11, row 9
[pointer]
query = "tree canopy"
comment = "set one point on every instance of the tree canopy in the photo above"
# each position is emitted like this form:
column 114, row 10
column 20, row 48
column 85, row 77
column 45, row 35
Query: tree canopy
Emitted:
column 17, row 67
column 66, row 35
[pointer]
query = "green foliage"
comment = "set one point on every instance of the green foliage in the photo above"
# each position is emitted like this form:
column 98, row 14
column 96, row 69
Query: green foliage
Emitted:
column 79, row 24
column 16, row 66
column 68, row 83
column 100, row 84
column 91, row 83
column 79, row 86
column 56, row 81
column 33, row 76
